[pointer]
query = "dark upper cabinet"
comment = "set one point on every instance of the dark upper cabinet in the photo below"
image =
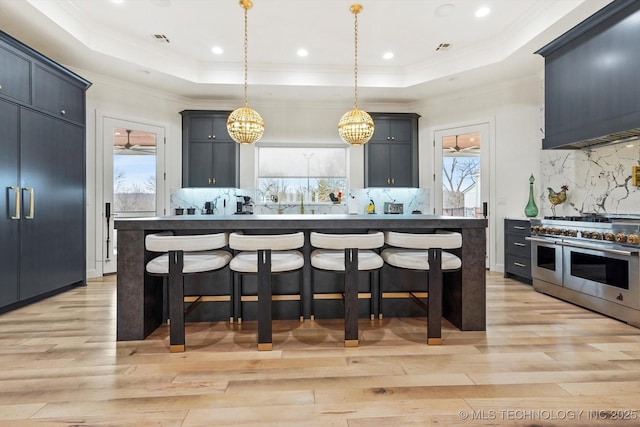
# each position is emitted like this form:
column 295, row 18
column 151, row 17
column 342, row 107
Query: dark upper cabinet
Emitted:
column 391, row 156
column 42, row 174
column 15, row 78
column 58, row 95
column 592, row 89
column 209, row 155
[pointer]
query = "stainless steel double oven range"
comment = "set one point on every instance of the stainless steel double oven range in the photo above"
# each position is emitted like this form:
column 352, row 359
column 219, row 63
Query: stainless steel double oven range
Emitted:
column 591, row 260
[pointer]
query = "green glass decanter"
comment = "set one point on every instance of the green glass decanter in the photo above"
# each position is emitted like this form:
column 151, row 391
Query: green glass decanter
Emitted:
column 531, row 210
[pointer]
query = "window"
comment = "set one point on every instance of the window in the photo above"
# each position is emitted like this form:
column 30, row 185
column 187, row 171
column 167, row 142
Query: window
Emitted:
column 292, row 174
column 134, row 172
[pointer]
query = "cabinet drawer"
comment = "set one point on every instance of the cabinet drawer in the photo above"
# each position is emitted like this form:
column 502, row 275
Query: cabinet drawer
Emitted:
column 517, row 245
column 57, row 95
column 517, row 227
column 520, row 266
column 15, row 77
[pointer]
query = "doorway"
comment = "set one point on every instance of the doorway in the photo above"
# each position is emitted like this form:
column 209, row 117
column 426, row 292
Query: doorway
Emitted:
column 133, row 182
column 462, row 178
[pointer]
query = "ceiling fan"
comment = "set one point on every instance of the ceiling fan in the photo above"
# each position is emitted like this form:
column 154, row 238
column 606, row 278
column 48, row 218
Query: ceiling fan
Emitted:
column 130, row 148
column 457, row 149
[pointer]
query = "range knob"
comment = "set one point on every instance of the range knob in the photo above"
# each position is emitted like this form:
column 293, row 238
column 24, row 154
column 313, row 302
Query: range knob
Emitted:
column 596, row 235
column 555, row 231
column 585, row 234
column 573, row 233
column 609, row 237
column 620, row 237
column 633, row 239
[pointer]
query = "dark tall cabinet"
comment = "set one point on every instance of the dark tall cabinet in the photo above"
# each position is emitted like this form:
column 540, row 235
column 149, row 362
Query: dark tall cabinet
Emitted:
column 209, row 155
column 391, row 156
column 42, row 171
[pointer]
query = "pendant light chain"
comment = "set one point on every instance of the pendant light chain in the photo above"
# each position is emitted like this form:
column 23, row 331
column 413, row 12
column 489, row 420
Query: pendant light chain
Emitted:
column 245, row 125
column 246, row 49
column 355, row 68
column 356, row 126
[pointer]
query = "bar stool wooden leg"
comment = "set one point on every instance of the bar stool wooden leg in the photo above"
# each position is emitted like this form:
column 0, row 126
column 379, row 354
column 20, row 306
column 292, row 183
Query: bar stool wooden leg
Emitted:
column 176, row 302
column 351, row 298
column 434, row 320
column 264, row 300
column 374, row 286
column 237, row 297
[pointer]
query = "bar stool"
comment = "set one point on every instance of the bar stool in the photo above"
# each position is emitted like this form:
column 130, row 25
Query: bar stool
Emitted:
column 184, row 255
column 264, row 255
column 424, row 252
column 348, row 253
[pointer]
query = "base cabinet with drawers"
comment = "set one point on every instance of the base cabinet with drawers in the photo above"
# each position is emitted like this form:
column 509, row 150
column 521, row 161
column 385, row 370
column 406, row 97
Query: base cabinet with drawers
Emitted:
column 517, row 250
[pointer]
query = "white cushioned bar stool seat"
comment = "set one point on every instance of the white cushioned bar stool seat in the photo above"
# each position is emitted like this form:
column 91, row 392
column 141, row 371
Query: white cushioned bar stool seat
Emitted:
column 184, row 255
column 263, row 255
column 424, row 252
column 348, row 253
column 417, row 259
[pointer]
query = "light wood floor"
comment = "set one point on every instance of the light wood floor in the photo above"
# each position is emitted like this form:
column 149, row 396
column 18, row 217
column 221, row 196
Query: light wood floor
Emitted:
column 540, row 362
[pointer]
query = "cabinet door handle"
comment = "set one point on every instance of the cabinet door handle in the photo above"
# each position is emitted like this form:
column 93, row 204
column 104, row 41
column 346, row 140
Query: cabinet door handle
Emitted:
column 388, row 181
column 17, row 211
column 0, row 87
column 519, row 264
column 209, row 181
column 211, row 136
column 393, row 180
column 518, row 227
column 214, row 180
column 63, row 112
column 31, row 192
column 518, row 244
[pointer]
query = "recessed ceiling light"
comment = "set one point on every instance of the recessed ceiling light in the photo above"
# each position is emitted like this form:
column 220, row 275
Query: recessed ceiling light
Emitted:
column 444, row 10
column 117, row 1
column 482, row 12
column 217, row 50
column 388, row 55
column 302, row 52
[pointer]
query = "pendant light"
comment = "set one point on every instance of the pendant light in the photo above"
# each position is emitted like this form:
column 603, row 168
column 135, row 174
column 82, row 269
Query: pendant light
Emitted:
column 356, row 126
column 245, row 125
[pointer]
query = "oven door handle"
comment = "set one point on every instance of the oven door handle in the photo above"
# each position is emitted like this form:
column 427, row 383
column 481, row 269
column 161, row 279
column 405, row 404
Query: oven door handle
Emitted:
column 542, row 240
column 601, row 249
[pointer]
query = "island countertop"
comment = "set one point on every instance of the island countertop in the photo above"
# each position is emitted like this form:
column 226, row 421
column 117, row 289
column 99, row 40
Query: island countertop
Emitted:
column 139, row 295
column 302, row 221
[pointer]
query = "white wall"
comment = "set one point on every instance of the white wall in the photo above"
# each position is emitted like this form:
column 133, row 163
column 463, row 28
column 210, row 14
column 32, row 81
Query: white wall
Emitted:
column 515, row 111
column 513, row 108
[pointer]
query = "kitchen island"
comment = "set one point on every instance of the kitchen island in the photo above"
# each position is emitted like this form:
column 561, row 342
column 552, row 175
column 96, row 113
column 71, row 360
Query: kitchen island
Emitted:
column 140, row 295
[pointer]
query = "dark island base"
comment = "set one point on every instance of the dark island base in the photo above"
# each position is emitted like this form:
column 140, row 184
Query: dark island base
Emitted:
column 140, row 299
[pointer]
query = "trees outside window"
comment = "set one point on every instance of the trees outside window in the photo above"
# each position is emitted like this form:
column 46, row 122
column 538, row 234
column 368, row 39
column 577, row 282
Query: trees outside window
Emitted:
column 295, row 174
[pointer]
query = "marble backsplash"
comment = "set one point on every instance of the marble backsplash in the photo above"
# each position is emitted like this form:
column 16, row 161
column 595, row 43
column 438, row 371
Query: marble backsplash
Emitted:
column 223, row 201
column 599, row 180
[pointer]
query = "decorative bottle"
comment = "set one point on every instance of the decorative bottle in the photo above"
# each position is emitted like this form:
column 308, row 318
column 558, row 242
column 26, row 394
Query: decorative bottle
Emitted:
column 531, row 210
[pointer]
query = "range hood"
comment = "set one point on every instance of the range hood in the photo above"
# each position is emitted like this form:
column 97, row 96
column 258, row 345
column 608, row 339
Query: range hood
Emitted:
column 627, row 136
column 592, row 94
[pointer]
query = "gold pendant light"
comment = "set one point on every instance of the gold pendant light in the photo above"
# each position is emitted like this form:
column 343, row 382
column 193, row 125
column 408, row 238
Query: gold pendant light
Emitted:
column 356, row 126
column 245, row 125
